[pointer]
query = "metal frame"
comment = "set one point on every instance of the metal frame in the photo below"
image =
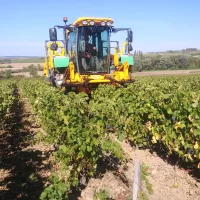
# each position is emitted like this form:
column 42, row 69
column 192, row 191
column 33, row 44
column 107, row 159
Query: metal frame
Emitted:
column 46, row 41
column 77, row 35
column 75, row 29
column 117, row 44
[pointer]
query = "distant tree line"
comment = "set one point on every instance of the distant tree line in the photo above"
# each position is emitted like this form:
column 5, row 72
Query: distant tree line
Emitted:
column 6, row 66
column 191, row 50
column 21, row 60
column 165, row 62
column 5, row 61
column 32, row 69
column 28, row 68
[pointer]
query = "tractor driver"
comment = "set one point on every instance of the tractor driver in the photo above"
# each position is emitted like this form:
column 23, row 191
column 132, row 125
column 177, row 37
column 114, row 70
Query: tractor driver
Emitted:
column 90, row 52
column 90, row 48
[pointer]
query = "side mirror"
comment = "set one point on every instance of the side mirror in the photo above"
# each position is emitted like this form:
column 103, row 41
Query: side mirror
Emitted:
column 53, row 34
column 130, row 48
column 54, row 47
column 130, row 36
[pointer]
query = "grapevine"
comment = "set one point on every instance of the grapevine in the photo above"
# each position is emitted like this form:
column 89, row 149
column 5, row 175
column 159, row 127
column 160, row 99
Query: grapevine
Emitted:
column 152, row 112
column 155, row 112
column 72, row 126
column 7, row 97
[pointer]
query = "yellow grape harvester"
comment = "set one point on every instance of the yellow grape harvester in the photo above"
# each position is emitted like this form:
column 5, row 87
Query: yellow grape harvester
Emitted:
column 83, row 59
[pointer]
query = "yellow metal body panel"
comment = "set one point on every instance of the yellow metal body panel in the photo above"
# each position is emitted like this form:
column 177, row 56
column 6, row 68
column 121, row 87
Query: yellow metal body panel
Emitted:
column 120, row 75
column 118, row 53
column 97, row 20
column 71, row 77
column 49, row 64
column 123, row 48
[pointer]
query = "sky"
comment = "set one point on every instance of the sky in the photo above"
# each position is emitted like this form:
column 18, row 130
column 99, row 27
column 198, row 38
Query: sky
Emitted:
column 157, row 25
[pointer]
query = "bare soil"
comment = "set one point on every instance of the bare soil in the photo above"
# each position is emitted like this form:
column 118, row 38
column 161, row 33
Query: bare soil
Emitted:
column 139, row 74
column 168, row 182
column 167, row 72
column 17, row 65
column 136, row 74
column 24, row 166
column 27, row 74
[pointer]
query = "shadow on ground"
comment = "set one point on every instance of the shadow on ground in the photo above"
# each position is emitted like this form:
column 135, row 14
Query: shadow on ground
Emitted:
column 177, row 161
column 19, row 166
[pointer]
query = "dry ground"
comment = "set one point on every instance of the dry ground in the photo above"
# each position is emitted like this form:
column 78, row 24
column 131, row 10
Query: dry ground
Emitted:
column 140, row 74
column 27, row 74
column 25, row 166
column 146, row 73
column 168, row 182
column 17, row 65
column 167, row 72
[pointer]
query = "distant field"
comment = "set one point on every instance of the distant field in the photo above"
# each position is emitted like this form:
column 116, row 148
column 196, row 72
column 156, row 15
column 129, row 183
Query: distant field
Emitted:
column 194, row 54
column 27, row 74
column 20, row 60
column 140, row 74
column 18, row 65
column 166, row 73
column 30, row 60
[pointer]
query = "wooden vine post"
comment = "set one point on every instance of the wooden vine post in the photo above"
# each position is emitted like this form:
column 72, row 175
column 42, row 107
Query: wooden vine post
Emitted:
column 136, row 180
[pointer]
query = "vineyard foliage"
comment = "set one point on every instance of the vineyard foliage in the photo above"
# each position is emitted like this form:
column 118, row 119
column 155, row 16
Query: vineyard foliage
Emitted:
column 154, row 112
column 7, row 97
column 72, row 126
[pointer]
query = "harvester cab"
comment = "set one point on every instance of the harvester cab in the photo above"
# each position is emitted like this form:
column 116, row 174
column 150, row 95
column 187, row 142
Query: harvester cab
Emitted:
column 83, row 59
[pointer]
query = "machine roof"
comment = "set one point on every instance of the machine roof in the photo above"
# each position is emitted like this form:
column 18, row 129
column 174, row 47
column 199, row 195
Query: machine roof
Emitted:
column 95, row 19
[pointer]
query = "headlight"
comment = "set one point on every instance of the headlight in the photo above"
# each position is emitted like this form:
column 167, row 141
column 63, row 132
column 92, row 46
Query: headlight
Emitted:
column 84, row 22
column 108, row 23
column 103, row 23
column 92, row 23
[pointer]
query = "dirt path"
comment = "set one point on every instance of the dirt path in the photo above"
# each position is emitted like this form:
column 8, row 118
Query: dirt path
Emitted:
column 166, row 73
column 168, row 183
column 24, row 166
column 17, row 65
